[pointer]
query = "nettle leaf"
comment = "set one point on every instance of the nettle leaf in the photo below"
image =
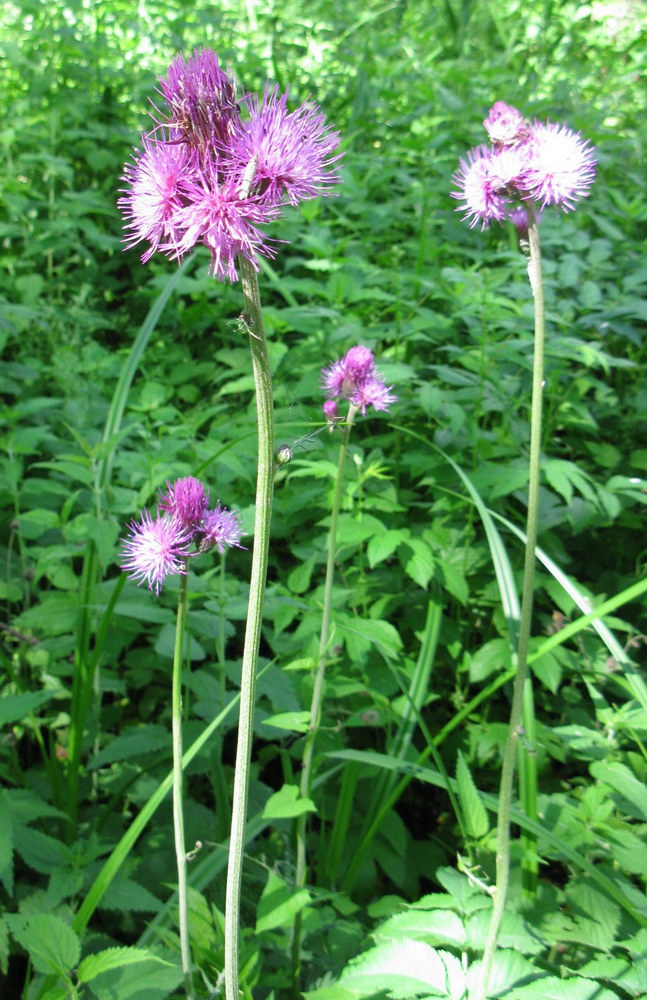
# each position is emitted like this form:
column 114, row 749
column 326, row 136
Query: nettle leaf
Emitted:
column 514, row 933
column 493, row 657
column 352, row 530
column 147, row 980
column 15, row 707
column 406, row 969
column 286, row 803
column 384, row 544
column 474, row 812
column 420, row 564
column 552, row 988
column 136, row 742
column 509, row 969
column 433, row 926
column 362, row 634
column 26, row 806
column 113, row 958
column 41, row 852
column 330, row 993
column 627, row 790
column 618, row 971
column 52, row 944
column 126, row 894
column 279, row 904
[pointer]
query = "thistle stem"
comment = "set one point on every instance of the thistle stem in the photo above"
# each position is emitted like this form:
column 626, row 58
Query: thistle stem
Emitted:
column 317, row 693
column 178, row 818
column 507, row 767
column 264, row 482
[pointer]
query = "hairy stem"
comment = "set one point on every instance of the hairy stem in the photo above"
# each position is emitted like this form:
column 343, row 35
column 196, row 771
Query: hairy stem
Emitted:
column 253, row 321
column 178, row 818
column 514, row 729
column 317, row 693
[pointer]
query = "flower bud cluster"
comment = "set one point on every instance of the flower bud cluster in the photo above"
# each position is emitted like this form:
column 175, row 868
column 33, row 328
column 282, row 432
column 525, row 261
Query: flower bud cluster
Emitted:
column 206, row 174
column 355, row 378
column 183, row 527
column 542, row 162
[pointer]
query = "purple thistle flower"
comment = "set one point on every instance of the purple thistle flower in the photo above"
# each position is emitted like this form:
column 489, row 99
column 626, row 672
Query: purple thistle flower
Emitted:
column 330, row 410
column 150, row 202
column 561, row 167
column 220, row 528
column 201, row 99
column 155, row 549
column 373, row 393
column 479, row 189
column 354, row 378
column 186, row 500
column 505, row 125
column 293, row 150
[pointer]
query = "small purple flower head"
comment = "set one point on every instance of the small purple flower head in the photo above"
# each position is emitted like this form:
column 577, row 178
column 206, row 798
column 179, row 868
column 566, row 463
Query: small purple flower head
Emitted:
column 155, row 549
column 187, row 500
column 201, row 99
column 220, row 528
column 153, row 196
column 294, row 151
column 561, row 167
column 479, row 189
column 330, row 410
column 354, row 378
column 505, row 125
column 373, row 393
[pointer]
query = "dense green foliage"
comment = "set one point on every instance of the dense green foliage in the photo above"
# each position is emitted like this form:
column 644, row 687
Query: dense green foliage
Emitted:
column 417, row 693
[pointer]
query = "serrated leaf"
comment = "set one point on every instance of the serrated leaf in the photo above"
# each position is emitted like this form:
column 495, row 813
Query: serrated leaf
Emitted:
column 286, row 803
column 406, row 968
column 279, row 904
column 299, row 578
column 136, row 742
column 52, row 944
column 552, row 988
column 420, row 564
column 113, row 958
column 632, row 976
column 474, row 812
column 493, row 657
column 41, row 852
column 384, row 544
column 128, row 895
column 330, row 993
column 508, row 969
column 15, row 707
column 624, row 784
column 296, row 722
column 433, row 926
column 142, row 981
column 363, row 633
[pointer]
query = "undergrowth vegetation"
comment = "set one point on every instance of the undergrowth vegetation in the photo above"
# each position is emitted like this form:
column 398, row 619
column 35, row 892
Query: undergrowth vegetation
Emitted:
column 119, row 378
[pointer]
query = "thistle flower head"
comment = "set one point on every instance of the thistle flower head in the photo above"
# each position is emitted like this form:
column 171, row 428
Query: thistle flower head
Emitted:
column 220, row 528
column 543, row 162
column 330, row 410
column 354, row 378
column 155, row 548
column 201, row 100
column 294, row 151
column 187, row 500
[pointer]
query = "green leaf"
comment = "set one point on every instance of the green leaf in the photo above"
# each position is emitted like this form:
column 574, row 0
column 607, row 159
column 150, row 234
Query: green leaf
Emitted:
column 434, row 926
column 296, row 722
column 42, row 852
column 4, row 946
column 52, row 944
column 361, row 634
column 406, row 968
column 330, row 993
column 474, row 812
column 508, row 968
column 299, row 578
column 384, row 544
column 279, row 904
column 631, row 976
column 136, row 742
column 124, row 894
column 552, row 988
column 15, row 707
column 627, row 790
column 420, row 565
column 286, row 803
column 6, row 844
column 113, row 958
column 147, row 980
column 351, row 530
column 493, row 657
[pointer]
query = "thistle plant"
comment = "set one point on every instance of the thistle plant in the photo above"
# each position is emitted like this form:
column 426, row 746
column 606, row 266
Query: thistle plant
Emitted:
column 527, row 167
column 161, row 546
column 355, row 379
column 216, row 167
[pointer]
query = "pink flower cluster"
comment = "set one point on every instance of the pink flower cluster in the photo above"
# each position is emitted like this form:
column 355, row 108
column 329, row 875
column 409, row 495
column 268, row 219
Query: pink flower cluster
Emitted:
column 184, row 526
column 205, row 174
column 355, row 378
column 540, row 161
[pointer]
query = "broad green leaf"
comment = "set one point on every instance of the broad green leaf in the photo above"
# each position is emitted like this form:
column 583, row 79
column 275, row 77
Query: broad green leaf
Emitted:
column 299, row 578
column 148, row 980
column 279, row 904
column 493, row 657
column 113, row 958
column 42, row 852
column 52, row 944
column 330, row 993
column 296, row 722
column 15, row 707
column 384, row 544
column 508, row 968
column 363, row 633
column 435, row 927
column 631, row 976
column 126, row 895
column 624, row 785
column 351, row 529
column 552, row 988
column 406, row 968
column 286, row 803
column 474, row 812
column 420, row 564
column 135, row 742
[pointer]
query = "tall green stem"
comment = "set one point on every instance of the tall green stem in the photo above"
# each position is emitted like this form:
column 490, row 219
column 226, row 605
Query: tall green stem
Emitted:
column 317, row 693
column 514, row 729
column 178, row 818
column 264, row 482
